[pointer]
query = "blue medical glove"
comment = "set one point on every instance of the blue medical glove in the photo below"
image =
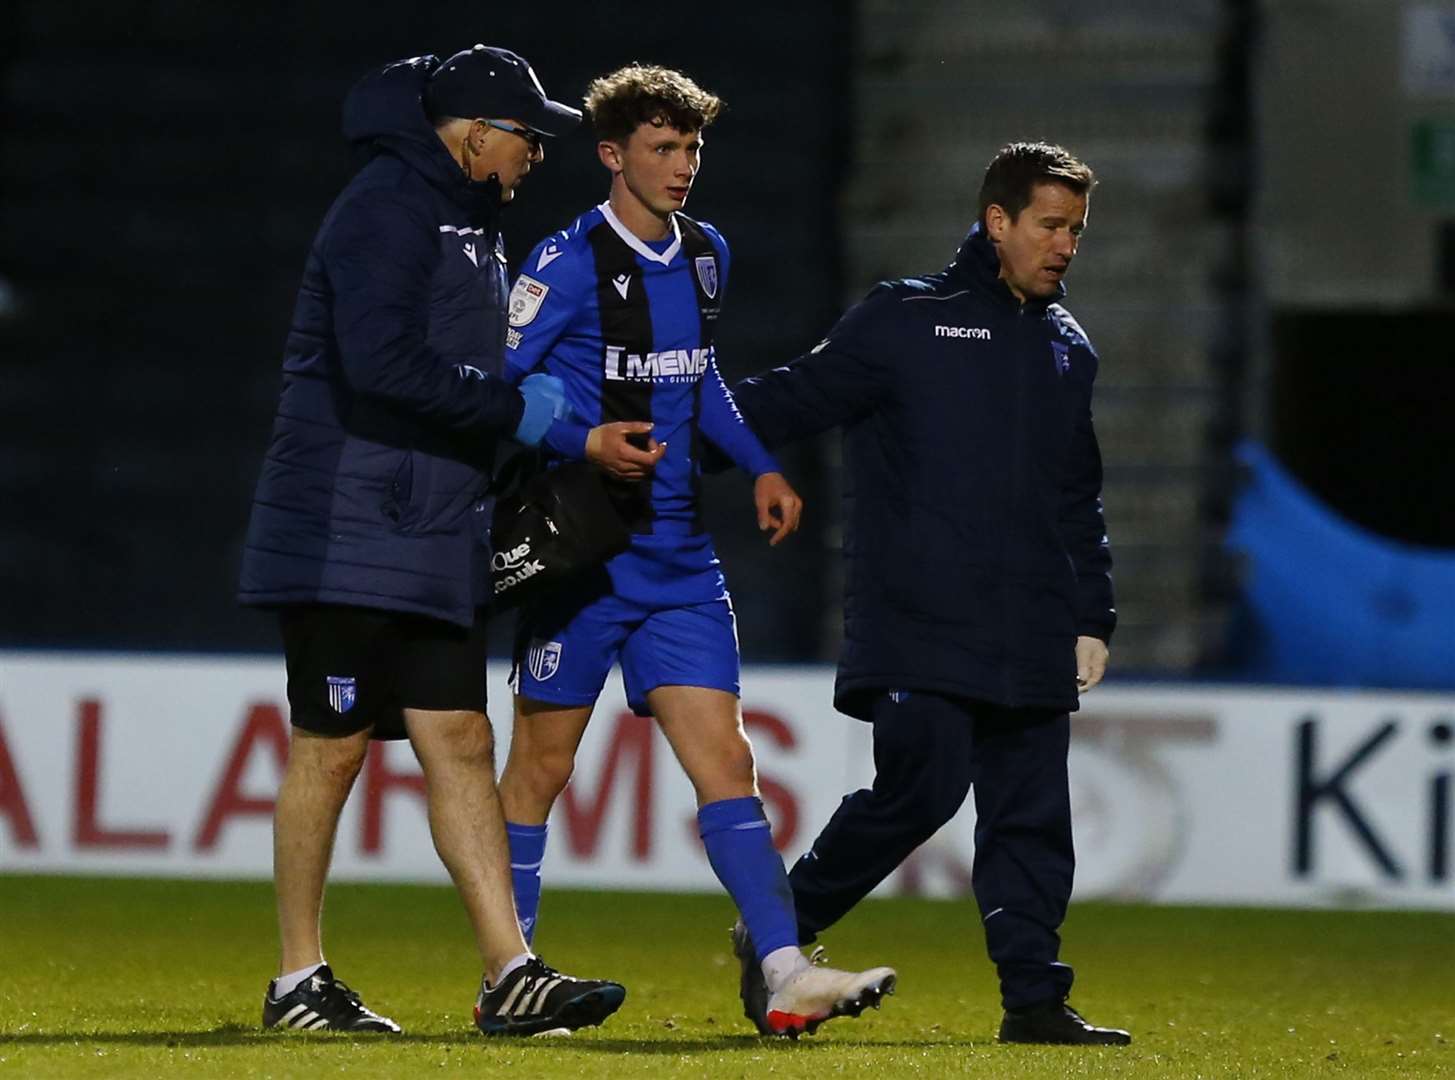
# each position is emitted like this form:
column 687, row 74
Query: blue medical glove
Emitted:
column 545, row 401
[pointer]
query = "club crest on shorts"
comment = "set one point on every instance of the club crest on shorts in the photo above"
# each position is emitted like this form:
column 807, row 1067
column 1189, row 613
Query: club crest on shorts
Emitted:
column 543, row 659
column 707, row 275
column 342, row 692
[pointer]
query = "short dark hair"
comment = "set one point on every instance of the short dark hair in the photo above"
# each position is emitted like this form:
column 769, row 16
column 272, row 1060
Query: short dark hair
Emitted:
column 646, row 94
column 1012, row 176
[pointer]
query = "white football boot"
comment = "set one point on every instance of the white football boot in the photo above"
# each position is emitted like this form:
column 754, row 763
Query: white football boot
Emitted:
column 816, row 993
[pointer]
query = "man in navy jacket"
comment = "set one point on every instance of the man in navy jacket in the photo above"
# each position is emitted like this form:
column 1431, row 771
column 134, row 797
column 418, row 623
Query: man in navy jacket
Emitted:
column 978, row 599
column 369, row 527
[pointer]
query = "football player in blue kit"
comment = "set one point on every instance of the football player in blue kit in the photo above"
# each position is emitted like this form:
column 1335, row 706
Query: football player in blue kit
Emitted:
column 621, row 306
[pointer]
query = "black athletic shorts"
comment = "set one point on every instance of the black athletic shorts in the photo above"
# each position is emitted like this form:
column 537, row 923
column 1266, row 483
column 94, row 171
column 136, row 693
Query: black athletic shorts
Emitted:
column 351, row 668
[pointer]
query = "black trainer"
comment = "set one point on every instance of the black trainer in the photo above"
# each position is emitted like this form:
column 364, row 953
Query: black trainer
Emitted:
column 1057, row 1022
column 534, row 999
column 322, row 1003
column 752, row 987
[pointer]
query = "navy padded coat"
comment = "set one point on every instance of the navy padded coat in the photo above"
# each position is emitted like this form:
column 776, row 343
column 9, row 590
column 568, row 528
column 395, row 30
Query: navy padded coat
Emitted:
column 975, row 545
column 372, row 492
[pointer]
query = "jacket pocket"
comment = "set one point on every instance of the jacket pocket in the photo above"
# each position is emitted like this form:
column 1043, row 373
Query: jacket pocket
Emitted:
column 397, row 506
column 442, row 491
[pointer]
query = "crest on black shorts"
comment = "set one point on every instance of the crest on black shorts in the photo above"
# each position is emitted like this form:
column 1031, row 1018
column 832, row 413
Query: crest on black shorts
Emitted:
column 707, row 275
column 543, row 658
column 342, row 692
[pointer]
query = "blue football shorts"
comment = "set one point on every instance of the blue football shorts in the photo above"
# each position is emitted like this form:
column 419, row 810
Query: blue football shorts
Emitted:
column 563, row 656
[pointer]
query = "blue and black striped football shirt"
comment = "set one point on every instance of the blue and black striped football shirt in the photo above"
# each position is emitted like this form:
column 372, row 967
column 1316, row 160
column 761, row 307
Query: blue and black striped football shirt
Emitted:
column 627, row 326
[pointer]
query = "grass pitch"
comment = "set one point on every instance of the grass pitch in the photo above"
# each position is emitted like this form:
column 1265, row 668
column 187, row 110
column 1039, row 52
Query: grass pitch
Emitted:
column 139, row 978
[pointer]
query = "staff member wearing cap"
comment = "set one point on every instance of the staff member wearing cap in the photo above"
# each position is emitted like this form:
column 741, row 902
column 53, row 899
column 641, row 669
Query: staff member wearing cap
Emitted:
column 369, row 527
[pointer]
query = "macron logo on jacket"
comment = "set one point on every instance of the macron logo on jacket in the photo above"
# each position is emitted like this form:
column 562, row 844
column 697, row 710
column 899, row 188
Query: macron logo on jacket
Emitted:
column 979, row 333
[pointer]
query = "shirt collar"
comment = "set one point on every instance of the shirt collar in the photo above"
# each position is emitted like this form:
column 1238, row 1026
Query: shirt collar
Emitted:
column 633, row 241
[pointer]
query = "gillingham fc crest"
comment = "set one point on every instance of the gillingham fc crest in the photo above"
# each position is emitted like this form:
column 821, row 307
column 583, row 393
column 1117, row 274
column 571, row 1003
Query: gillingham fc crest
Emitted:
column 342, row 693
column 543, row 659
column 707, row 275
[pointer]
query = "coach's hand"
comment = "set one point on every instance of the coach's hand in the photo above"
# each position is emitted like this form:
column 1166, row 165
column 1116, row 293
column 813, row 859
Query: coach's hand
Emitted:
column 1090, row 662
column 779, row 506
column 545, row 401
column 624, row 449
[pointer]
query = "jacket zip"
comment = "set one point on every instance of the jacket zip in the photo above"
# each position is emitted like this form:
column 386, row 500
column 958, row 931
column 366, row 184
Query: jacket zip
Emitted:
column 1011, row 690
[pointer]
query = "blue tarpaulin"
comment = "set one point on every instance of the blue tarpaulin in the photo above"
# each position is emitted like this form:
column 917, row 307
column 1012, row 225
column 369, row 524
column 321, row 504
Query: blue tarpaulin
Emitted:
column 1327, row 602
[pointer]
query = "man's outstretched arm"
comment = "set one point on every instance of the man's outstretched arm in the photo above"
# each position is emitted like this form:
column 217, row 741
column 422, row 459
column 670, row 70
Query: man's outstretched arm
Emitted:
column 779, row 507
column 840, row 379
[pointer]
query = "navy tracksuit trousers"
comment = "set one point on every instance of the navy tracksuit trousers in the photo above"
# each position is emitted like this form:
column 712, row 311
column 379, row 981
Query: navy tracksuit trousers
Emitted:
column 928, row 752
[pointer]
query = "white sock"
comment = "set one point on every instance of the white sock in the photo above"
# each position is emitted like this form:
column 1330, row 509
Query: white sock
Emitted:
column 780, row 965
column 519, row 961
column 284, row 985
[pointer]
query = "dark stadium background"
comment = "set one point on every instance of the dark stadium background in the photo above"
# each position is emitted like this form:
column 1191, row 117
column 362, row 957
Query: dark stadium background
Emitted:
column 1269, row 275
column 163, row 166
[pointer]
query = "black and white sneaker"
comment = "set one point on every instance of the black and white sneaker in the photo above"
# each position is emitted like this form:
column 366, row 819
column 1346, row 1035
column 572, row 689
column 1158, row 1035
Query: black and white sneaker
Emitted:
column 535, row 999
column 322, row 1003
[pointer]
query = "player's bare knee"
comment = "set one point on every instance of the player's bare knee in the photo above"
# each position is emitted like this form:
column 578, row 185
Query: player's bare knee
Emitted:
column 737, row 759
column 529, row 788
column 547, row 772
column 729, row 773
column 739, row 769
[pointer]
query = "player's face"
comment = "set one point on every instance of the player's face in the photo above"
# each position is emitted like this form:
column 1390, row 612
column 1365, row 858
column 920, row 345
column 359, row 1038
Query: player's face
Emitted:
column 506, row 154
column 1036, row 248
column 658, row 164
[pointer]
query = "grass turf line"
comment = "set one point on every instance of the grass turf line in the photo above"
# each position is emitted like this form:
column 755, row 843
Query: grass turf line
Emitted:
column 122, row 978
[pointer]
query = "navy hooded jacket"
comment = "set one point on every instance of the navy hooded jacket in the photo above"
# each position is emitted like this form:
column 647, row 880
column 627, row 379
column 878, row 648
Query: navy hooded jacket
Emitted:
column 372, row 492
column 975, row 546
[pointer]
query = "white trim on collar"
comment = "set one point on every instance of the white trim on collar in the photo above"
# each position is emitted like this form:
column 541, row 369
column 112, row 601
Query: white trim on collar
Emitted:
column 633, row 241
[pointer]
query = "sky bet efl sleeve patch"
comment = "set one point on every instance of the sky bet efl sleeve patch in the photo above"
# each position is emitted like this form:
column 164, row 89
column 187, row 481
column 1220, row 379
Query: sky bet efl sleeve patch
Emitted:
column 526, row 299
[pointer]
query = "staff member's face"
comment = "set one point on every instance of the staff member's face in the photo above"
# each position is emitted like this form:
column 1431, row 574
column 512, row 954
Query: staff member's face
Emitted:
column 1037, row 245
column 506, row 154
column 657, row 164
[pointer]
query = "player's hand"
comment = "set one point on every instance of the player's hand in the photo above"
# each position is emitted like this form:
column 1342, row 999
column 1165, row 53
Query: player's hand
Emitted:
column 779, row 506
column 1091, row 654
column 624, row 449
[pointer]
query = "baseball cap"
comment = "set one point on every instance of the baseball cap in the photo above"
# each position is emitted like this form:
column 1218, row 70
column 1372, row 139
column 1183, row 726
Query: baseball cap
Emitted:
column 496, row 83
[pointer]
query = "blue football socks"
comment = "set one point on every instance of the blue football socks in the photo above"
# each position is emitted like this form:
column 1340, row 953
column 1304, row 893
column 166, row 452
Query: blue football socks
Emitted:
column 740, row 847
column 527, row 851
